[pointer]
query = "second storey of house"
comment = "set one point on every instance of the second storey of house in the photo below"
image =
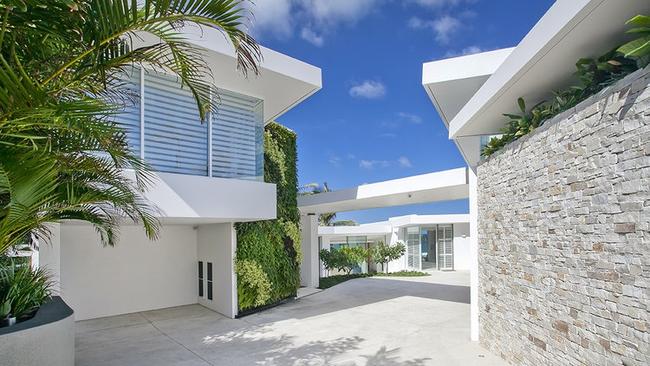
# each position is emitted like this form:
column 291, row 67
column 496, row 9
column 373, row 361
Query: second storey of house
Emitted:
column 212, row 170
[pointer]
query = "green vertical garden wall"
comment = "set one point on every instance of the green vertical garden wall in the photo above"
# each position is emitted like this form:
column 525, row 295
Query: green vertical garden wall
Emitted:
column 268, row 252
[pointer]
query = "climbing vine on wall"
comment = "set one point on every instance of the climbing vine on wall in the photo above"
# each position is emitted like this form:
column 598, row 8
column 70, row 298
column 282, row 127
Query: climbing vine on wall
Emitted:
column 272, row 245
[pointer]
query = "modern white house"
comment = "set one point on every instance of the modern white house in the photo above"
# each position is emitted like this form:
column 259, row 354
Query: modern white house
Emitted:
column 433, row 242
column 471, row 93
column 209, row 176
column 423, row 235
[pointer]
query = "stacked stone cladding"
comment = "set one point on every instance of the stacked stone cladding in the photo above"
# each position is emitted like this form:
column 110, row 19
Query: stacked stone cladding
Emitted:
column 564, row 236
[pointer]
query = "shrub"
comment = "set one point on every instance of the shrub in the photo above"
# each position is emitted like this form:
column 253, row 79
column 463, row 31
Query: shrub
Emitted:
column 344, row 259
column 253, row 285
column 22, row 290
column 403, row 274
column 274, row 245
column 383, row 253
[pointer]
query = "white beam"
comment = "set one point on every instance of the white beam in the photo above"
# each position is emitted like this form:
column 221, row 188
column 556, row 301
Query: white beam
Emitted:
column 445, row 185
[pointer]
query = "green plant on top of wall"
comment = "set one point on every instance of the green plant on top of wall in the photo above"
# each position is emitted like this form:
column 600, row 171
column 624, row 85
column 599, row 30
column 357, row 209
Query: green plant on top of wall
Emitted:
column 272, row 245
column 593, row 75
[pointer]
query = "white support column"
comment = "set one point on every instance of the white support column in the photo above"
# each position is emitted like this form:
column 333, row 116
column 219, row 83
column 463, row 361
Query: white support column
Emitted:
column 217, row 244
column 309, row 268
column 473, row 255
column 49, row 256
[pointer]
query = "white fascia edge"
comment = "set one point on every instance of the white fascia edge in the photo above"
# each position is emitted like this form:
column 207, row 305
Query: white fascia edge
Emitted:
column 543, row 37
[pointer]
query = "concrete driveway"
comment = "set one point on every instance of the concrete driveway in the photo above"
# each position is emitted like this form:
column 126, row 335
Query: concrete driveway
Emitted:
column 371, row 321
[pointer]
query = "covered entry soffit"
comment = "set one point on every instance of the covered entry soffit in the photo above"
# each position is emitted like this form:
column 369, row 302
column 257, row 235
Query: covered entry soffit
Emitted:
column 445, row 185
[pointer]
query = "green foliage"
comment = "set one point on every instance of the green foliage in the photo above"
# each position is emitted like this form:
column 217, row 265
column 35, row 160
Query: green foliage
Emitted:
column 329, row 259
column 253, row 285
column 327, row 282
column 344, row 223
column 383, row 253
column 274, row 245
column 344, row 259
column 639, row 47
column 403, row 274
column 593, row 75
column 324, row 219
column 22, row 290
column 62, row 66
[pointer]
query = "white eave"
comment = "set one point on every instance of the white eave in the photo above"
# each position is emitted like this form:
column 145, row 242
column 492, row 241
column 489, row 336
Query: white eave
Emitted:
column 439, row 186
column 545, row 59
column 387, row 227
column 375, row 228
column 411, row 220
column 451, row 82
column 283, row 81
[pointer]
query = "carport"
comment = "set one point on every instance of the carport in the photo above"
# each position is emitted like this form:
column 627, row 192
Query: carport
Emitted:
column 446, row 185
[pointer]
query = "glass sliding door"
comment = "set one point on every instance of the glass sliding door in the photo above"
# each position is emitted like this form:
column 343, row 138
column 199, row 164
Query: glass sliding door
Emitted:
column 428, row 247
column 413, row 249
column 445, row 245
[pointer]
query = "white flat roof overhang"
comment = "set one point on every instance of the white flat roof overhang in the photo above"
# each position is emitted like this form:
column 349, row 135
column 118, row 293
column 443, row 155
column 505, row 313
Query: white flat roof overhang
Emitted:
column 375, row 228
column 445, row 185
column 410, row 220
column 545, row 59
column 283, row 81
column 451, row 82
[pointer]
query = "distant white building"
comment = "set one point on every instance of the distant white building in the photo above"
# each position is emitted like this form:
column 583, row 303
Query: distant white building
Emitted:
column 433, row 242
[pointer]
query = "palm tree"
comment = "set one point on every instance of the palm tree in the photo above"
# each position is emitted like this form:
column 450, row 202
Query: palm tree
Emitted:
column 62, row 66
column 324, row 219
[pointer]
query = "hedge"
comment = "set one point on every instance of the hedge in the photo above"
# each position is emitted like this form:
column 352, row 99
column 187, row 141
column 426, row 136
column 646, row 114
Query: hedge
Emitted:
column 272, row 245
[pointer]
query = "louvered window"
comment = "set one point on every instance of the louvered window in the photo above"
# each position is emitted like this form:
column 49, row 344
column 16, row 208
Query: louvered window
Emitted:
column 130, row 119
column 237, row 136
column 175, row 140
column 228, row 145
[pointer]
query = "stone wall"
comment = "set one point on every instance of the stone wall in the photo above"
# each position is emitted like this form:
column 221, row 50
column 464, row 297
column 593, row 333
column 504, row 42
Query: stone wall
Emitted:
column 564, row 236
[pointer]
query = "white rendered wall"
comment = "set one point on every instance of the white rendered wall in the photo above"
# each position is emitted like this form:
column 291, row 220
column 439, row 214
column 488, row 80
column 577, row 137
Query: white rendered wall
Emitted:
column 135, row 275
column 49, row 256
column 401, row 263
column 461, row 247
column 217, row 244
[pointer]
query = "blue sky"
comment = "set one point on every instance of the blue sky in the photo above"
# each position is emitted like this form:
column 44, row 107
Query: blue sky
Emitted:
column 372, row 120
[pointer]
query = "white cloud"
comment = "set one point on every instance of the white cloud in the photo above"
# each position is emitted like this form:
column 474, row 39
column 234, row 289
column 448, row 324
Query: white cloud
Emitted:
column 464, row 52
column 272, row 18
column 412, row 118
column 314, row 18
column 371, row 164
column 404, row 162
column 310, row 36
column 388, row 135
column 443, row 27
column 335, row 160
column 332, row 12
column 369, row 89
column 438, row 3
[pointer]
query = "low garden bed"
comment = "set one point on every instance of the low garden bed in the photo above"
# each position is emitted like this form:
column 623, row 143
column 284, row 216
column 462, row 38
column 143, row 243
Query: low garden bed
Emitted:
column 327, row 282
